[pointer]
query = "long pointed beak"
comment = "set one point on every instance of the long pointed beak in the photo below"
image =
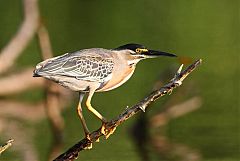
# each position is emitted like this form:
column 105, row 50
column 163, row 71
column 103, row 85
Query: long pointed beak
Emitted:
column 154, row 53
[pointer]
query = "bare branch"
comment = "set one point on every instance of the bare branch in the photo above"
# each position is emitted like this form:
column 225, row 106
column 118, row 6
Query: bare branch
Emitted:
column 18, row 82
column 23, row 139
column 25, row 111
column 73, row 152
column 44, row 42
column 25, row 33
column 6, row 146
column 31, row 111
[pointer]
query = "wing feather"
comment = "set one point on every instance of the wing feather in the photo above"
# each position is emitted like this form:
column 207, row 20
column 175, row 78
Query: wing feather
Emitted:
column 85, row 67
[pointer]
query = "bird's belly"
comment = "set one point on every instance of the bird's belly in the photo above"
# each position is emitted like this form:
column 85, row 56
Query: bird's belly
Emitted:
column 74, row 84
column 116, row 82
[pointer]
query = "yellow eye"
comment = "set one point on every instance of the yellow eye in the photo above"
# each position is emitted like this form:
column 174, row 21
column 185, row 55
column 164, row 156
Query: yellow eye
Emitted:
column 139, row 50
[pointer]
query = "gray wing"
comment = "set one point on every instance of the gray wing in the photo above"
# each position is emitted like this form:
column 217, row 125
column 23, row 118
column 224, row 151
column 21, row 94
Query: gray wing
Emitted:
column 85, row 67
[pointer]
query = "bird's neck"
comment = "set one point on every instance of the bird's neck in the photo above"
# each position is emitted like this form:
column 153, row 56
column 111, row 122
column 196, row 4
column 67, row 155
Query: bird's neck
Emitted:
column 128, row 58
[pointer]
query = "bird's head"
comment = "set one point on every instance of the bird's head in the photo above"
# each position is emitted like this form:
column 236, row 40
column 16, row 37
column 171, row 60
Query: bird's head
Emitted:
column 141, row 52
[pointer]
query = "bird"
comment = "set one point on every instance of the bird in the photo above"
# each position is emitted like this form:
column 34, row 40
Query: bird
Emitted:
column 95, row 70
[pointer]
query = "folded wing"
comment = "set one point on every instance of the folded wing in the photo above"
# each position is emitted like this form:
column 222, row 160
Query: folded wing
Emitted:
column 85, row 67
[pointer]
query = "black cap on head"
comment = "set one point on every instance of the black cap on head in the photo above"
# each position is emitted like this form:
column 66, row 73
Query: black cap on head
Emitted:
column 130, row 46
column 142, row 50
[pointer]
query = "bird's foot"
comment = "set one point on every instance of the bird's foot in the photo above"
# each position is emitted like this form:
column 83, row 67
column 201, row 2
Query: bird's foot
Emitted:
column 98, row 140
column 110, row 132
column 107, row 131
column 89, row 142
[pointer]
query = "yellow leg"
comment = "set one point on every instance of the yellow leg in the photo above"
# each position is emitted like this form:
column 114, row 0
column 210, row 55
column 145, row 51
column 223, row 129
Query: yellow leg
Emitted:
column 90, row 108
column 104, row 131
column 79, row 110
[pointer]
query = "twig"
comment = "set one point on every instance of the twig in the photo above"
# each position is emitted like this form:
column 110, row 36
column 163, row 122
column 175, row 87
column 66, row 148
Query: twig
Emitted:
column 25, row 33
column 6, row 146
column 24, row 142
column 73, row 152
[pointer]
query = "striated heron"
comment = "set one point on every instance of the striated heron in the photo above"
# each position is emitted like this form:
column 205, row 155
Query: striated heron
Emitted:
column 94, row 70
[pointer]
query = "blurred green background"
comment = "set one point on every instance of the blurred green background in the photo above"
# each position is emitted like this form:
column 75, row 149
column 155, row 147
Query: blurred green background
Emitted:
column 195, row 29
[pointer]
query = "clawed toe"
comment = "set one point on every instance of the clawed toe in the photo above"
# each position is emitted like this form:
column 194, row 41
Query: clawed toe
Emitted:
column 103, row 129
column 110, row 132
column 89, row 142
column 107, row 132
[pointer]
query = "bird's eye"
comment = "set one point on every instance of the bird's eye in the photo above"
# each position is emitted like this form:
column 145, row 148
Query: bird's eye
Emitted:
column 139, row 50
